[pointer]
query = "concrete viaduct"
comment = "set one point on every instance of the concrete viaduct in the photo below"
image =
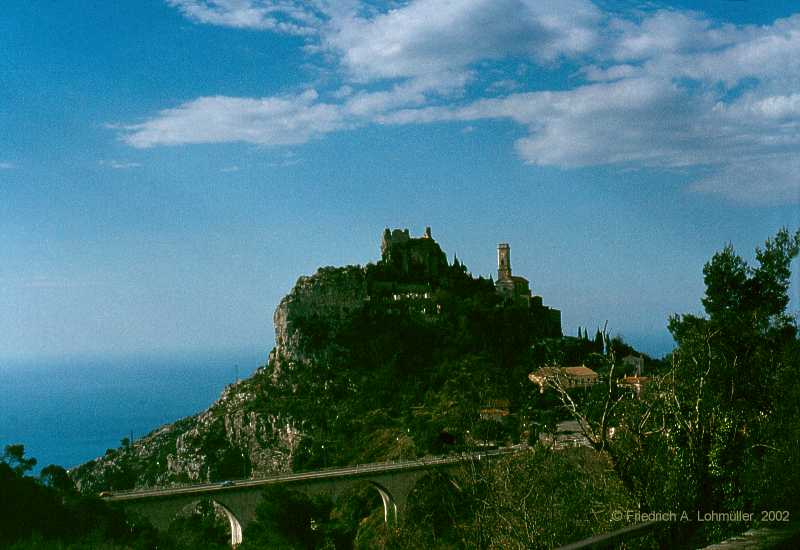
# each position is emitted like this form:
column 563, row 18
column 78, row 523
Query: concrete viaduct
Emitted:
column 394, row 481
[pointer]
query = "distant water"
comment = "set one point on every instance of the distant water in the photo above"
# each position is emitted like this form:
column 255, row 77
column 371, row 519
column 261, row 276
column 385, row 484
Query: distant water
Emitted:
column 70, row 411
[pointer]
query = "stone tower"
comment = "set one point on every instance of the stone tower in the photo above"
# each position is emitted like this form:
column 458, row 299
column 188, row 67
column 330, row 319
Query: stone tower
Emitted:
column 544, row 322
column 503, row 262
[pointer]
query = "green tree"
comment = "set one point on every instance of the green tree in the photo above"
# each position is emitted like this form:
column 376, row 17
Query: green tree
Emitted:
column 48, row 513
column 14, row 456
column 57, row 478
column 286, row 519
column 538, row 499
column 710, row 432
column 204, row 527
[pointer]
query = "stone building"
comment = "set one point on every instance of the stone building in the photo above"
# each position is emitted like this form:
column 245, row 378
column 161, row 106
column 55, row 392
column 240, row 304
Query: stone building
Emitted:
column 565, row 377
column 545, row 321
column 633, row 363
column 411, row 267
column 508, row 284
column 412, row 257
column 634, row 383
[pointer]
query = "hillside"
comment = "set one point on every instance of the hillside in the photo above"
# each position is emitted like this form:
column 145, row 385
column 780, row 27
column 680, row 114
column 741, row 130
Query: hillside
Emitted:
column 376, row 362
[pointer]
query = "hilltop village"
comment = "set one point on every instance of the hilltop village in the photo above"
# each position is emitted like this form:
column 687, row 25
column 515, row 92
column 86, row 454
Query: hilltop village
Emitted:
column 410, row 268
column 410, row 345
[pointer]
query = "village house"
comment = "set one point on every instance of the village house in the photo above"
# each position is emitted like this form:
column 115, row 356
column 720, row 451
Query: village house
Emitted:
column 567, row 377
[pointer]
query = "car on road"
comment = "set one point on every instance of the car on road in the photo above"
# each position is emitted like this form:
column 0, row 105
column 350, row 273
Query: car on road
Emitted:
column 228, row 483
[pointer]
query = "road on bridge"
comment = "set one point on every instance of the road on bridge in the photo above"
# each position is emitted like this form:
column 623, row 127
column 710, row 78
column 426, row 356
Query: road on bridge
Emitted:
column 327, row 473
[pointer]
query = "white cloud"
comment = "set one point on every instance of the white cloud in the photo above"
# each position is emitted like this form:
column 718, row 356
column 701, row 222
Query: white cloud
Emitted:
column 284, row 16
column 778, row 107
column 414, row 91
column 604, row 123
column 279, row 120
column 426, row 37
column 650, row 122
column 678, row 106
column 668, row 31
column 593, row 73
column 370, row 103
column 343, row 91
column 118, row 164
column 664, row 88
column 773, row 180
column 503, row 86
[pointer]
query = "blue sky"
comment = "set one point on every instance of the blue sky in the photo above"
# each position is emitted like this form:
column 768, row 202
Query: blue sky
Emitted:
column 168, row 168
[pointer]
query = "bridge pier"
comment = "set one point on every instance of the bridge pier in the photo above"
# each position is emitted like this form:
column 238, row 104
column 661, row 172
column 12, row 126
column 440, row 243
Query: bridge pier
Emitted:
column 389, row 505
column 162, row 514
column 236, row 527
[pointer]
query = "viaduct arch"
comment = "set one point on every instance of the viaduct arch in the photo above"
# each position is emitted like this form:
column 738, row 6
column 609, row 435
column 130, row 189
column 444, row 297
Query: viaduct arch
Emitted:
column 394, row 481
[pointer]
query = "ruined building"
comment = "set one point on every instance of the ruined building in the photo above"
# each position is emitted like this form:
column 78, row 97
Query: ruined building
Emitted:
column 413, row 258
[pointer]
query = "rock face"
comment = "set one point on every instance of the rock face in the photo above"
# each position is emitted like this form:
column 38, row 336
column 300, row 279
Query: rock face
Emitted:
column 236, row 437
column 329, row 297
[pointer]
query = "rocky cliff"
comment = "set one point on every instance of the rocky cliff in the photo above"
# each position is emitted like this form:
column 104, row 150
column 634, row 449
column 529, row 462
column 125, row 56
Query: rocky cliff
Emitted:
column 329, row 297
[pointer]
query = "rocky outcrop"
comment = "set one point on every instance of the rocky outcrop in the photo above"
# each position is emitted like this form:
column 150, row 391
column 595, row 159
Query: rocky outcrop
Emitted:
column 327, row 298
column 236, row 437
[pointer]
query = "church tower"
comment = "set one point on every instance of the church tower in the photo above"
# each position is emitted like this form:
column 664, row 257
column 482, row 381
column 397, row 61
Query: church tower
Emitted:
column 503, row 262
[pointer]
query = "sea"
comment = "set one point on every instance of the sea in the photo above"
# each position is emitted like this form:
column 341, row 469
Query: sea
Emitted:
column 68, row 411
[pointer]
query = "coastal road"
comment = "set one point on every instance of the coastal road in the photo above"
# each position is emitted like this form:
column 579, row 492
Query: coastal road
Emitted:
column 347, row 471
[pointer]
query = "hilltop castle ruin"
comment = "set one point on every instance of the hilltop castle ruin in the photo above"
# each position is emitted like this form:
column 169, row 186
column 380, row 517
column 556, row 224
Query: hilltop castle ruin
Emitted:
column 413, row 256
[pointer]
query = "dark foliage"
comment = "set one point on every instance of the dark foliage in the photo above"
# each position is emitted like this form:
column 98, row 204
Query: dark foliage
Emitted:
column 202, row 528
column 717, row 430
column 48, row 512
column 286, row 519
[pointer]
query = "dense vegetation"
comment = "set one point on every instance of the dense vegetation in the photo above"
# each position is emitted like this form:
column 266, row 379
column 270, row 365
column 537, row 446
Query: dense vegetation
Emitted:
column 539, row 499
column 718, row 430
column 404, row 378
column 714, row 430
column 46, row 512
